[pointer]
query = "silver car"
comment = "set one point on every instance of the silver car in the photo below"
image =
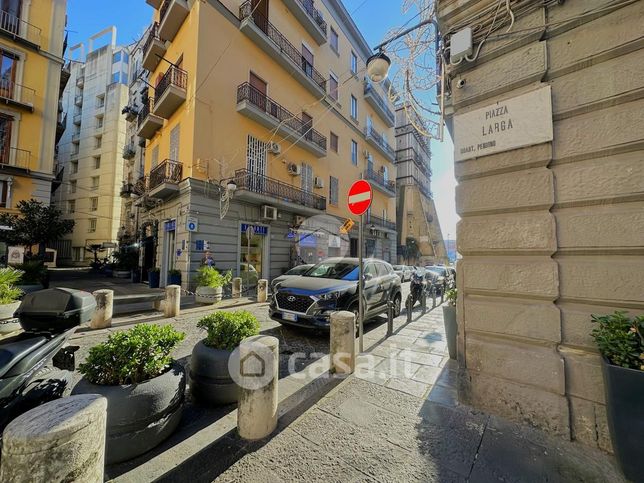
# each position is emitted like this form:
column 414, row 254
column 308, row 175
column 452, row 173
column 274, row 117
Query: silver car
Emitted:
column 403, row 272
column 293, row 272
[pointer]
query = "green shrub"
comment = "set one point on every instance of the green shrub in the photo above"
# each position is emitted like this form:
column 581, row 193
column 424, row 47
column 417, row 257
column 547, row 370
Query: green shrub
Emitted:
column 620, row 339
column 34, row 272
column 227, row 329
column 210, row 277
column 9, row 293
column 451, row 296
column 174, row 272
column 155, row 270
column 131, row 356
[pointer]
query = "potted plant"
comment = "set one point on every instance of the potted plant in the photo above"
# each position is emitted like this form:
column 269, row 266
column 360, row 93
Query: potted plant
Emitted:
column 154, row 277
column 449, row 320
column 210, row 285
column 143, row 385
column 126, row 260
column 34, row 276
column 210, row 380
column 620, row 340
column 9, row 299
column 174, row 277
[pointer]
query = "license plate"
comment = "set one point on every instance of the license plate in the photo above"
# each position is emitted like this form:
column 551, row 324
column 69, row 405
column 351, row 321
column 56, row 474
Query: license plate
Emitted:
column 289, row 316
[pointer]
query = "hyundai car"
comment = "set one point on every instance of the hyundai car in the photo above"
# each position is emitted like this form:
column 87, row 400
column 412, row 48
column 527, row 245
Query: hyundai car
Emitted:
column 332, row 285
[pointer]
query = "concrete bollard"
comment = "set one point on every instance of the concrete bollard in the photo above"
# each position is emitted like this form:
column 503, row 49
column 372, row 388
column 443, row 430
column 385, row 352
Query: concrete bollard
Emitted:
column 343, row 344
column 102, row 317
column 237, row 287
column 258, row 381
column 390, row 318
column 262, row 290
column 172, row 306
column 410, row 307
column 423, row 302
column 62, row 440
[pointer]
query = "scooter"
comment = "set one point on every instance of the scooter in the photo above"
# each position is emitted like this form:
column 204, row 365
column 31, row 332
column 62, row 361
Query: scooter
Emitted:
column 36, row 365
column 417, row 286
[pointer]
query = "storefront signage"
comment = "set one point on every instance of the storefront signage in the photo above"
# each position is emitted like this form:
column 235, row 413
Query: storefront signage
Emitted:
column 256, row 229
column 524, row 120
column 170, row 225
column 192, row 224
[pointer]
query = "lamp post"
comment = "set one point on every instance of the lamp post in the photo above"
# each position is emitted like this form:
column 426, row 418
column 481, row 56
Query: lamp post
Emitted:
column 225, row 196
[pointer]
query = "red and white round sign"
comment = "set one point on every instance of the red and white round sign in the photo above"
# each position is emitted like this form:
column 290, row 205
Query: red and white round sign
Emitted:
column 360, row 196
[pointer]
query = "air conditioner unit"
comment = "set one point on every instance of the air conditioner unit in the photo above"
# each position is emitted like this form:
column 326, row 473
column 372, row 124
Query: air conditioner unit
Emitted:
column 299, row 220
column 319, row 182
column 269, row 212
column 294, row 169
column 274, row 148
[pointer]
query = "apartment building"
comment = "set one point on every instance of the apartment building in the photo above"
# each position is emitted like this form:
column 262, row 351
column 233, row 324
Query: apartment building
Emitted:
column 91, row 149
column 31, row 46
column 258, row 122
column 420, row 238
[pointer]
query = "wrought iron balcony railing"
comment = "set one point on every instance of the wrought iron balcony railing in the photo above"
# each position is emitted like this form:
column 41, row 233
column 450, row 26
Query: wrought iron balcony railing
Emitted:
column 146, row 109
column 379, row 178
column 17, row 93
column 286, row 47
column 17, row 28
column 141, row 186
column 370, row 132
column 168, row 171
column 314, row 13
column 246, row 92
column 128, row 151
column 257, row 183
column 152, row 34
column 381, row 222
column 369, row 89
column 410, row 154
column 173, row 77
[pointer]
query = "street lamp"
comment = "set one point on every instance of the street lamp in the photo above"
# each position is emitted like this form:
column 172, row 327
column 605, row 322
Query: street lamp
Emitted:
column 226, row 194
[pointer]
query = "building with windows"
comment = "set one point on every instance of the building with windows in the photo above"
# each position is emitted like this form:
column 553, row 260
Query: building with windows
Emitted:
column 420, row 239
column 91, row 149
column 31, row 46
column 257, row 121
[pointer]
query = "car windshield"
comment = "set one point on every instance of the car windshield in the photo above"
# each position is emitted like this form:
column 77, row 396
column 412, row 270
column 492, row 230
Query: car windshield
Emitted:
column 398, row 267
column 439, row 270
column 298, row 270
column 335, row 270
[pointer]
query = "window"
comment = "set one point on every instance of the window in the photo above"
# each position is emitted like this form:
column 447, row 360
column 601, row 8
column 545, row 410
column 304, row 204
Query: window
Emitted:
column 97, row 162
column 354, row 108
column 116, row 76
column 333, row 190
column 100, row 100
column 71, row 206
column 174, row 142
column 307, row 177
column 126, row 58
column 6, row 124
column 95, row 180
column 334, row 142
column 92, row 225
column 93, row 203
column 72, row 186
column 99, row 122
column 334, row 41
column 4, row 194
column 76, row 254
column 333, row 86
column 354, row 63
column 99, row 141
column 155, row 156
column 74, row 166
column 8, row 67
column 354, row 153
column 116, row 57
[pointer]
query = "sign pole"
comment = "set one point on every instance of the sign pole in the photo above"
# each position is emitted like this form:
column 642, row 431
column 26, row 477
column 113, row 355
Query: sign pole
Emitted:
column 361, row 283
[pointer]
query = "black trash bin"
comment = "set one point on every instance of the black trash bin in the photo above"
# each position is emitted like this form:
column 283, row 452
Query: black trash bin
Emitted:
column 55, row 309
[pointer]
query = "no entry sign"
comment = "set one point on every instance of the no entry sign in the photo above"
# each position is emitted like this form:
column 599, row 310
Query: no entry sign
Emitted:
column 360, row 196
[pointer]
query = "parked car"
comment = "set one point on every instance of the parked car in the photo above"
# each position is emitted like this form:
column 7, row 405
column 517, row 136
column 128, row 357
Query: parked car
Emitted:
column 293, row 272
column 332, row 285
column 446, row 275
column 404, row 272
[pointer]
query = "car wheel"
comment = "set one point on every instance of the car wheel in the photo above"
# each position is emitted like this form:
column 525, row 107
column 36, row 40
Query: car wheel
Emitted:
column 397, row 305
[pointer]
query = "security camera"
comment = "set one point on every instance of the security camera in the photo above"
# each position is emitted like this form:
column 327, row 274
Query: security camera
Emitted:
column 460, row 84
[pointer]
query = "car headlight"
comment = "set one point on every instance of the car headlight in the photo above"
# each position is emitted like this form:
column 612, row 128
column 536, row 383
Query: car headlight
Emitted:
column 330, row 295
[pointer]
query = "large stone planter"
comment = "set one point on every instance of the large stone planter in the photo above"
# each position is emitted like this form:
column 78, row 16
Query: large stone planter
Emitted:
column 210, row 381
column 451, row 329
column 8, row 323
column 208, row 295
column 140, row 416
column 624, row 390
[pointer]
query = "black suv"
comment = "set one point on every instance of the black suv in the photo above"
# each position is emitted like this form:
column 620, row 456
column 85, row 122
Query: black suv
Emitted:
column 332, row 285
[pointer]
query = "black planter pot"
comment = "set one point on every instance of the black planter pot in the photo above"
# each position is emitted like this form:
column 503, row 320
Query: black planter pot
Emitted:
column 153, row 279
column 210, row 381
column 136, row 276
column 624, row 389
column 174, row 279
column 139, row 416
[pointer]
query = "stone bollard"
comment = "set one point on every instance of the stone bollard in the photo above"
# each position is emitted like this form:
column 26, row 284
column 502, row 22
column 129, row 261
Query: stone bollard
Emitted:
column 237, row 287
column 262, row 290
column 343, row 345
column 258, row 368
column 410, row 307
column 62, row 440
column 390, row 318
column 102, row 317
column 172, row 301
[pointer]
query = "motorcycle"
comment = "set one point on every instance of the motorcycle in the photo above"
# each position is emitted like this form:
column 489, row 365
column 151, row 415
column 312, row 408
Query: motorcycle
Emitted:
column 36, row 365
column 417, row 286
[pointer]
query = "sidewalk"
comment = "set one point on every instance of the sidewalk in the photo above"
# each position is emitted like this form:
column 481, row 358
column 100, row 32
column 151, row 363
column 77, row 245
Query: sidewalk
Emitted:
column 398, row 419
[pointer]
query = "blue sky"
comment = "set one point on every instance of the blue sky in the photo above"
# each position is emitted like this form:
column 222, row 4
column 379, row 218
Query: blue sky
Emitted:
column 374, row 18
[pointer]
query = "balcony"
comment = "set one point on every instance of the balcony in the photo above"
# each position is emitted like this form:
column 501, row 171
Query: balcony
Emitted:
column 148, row 123
column 261, row 189
column 20, row 31
column 76, row 137
column 170, row 92
column 126, row 190
column 73, row 154
column 78, row 101
column 378, row 181
column 80, row 81
column 164, row 179
column 77, row 119
column 129, row 152
column 375, row 100
column 15, row 158
column 172, row 13
column 153, row 49
column 310, row 18
column 271, row 41
column 381, row 223
column 140, row 187
column 16, row 95
column 131, row 113
column 61, row 125
column 410, row 154
column 256, row 105
column 65, row 74
column 374, row 138
column 154, row 3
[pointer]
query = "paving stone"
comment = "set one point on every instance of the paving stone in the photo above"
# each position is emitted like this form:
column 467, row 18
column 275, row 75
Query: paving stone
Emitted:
column 415, row 388
column 443, row 395
column 368, row 361
column 448, row 378
column 427, row 374
column 398, row 367
column 373, row 377
column 384, row 351
column 424, row 358
column 249, row 469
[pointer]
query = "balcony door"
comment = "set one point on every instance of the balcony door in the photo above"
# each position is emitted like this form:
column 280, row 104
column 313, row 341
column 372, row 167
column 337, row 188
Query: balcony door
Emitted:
column 6, row 123
column 8, row 66
column 10, row 19
column 260, row 13
column 307, row 61
column 256, row 164
column 307, row 126
column 258, row 91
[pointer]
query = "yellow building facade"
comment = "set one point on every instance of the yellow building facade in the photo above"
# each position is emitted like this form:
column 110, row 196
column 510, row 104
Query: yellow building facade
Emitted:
column 269, row 97
column 31, row 45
